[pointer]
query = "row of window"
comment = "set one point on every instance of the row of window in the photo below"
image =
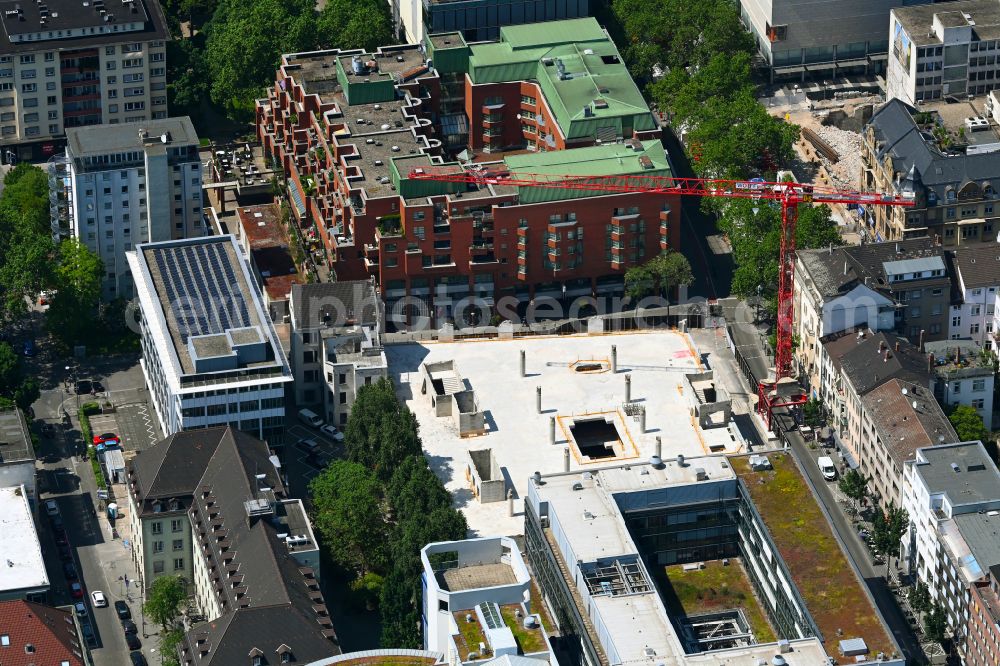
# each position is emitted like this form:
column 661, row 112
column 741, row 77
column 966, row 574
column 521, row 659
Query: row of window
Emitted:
column 158, row 565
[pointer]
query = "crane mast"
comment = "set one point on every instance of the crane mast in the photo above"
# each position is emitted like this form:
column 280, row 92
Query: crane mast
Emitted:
column 771, row 393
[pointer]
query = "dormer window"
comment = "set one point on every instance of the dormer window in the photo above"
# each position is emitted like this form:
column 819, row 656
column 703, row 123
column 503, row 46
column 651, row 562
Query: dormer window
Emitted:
column 950, row 195
column 286, row 658
column 257, row 661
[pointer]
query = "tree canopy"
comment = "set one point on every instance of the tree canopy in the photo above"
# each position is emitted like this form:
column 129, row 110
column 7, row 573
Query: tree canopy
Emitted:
column 26, row 250
column 660, row 274
column 347, row 501
column 77, row 278
column 380, row 431
column 888, row 528
column 854, row 485
column 968, row 424
column 164, row 599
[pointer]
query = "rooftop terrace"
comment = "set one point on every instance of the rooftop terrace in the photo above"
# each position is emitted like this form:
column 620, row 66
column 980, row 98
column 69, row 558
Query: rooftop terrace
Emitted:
column 835, row 597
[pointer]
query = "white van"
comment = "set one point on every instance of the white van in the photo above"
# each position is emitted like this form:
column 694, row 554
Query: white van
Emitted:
column 310, row 417
column 827, row 467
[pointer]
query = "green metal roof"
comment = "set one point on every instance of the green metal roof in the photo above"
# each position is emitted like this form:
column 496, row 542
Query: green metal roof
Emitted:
column 617, row 159
column 579, row 69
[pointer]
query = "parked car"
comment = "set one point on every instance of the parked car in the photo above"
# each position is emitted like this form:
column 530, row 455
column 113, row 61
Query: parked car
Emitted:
column 57, row 525
column 128, row 626
column 332, row 432
column 88, row 631
column 76, row 591
column 123, row 611
column 310, row 417
column 132, row 641
column 96, row 386
column 65, row 553
column 83, row 387
column 308, row 445
column 51, row 507
column 100, row 601
column 827, row 467
column 28, row 348
column 45, row 298
column 69, row 569
column 81, row 608
column 137, row 659
column 105, row 437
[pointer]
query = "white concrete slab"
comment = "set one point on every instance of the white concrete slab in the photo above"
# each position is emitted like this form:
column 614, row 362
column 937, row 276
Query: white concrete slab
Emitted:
column 519, row 435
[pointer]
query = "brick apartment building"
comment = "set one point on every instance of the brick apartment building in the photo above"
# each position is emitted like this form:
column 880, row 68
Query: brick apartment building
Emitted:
column 555, row 98
column 982, row 635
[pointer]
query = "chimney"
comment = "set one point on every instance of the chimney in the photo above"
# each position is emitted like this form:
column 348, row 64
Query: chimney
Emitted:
column 930, row 363
column 885, row 356
column 881, row 346
column 897, row 346
column 845, row 266
column 921, row 339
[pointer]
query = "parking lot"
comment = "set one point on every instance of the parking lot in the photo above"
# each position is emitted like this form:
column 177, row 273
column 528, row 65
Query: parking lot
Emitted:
column 136, row 428
column 302, row 466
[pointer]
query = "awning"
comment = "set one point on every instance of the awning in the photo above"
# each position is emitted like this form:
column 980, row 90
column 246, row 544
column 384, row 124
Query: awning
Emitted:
column 788, row 69
column 847, row 457
column 852, row 62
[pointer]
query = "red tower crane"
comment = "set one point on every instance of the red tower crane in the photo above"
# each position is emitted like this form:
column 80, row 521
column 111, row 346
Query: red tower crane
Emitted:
column 788, row 194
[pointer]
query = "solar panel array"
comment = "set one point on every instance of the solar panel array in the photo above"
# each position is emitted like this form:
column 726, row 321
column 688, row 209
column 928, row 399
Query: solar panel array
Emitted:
column 202, row 289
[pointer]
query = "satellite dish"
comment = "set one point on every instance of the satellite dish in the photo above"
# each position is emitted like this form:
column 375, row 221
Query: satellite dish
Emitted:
column 914, row 404
column 905, row 392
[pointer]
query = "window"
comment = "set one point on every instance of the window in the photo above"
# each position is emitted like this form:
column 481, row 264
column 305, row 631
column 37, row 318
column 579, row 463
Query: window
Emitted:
column 28, row 59
column 956, row 321
column 157, row 546
column 28, row 73
column 29, row 87
column 973, row 329
column 956, row 388
column 178, row 563
column 978, row 385
column 176, row 525
column 109, row 50
column 978, row 403
column 178, row 544
column 156, row 527
column 158, row 567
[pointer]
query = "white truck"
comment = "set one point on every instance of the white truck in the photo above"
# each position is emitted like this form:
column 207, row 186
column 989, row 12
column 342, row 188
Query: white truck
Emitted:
column 827, row 467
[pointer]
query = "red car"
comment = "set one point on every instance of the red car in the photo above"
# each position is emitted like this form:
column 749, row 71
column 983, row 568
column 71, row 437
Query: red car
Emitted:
column 76, row 591
column 106, row 438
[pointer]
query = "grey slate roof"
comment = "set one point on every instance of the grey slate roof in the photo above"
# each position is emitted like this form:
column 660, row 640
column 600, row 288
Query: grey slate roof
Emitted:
column 976, row 481
column 873, row 361
column 981, row 533
column 345, row 302
column 840, row 270
column 978, row 265
column 902, row 428
column 276, row 606
column 898, row 136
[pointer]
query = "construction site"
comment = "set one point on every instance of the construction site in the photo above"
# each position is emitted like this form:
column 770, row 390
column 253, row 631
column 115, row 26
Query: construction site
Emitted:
column 560, row 403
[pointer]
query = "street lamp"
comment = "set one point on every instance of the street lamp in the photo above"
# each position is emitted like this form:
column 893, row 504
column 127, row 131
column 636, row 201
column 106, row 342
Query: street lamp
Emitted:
column 760, row 289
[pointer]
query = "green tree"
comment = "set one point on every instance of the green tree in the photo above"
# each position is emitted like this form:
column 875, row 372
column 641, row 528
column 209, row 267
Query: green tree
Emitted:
column 414, row 491
column 10, row 369
column 920, row 598
column 380, row 431
column 738, row 138
column 244, row 43
column 25, row 227
column 188, row 86
column 164, row 599
column 400, row 617
column 168, row 647
column 682, row 93
column 812, row 413
column 661, row 274
column 78, row 275
column 887, row 529
column 354, row 24
column 854, row 485
column 347, row 510
column 968, row 424
column 936, row 623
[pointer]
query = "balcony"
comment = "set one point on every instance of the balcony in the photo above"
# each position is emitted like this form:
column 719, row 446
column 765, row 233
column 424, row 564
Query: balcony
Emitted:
column 483, row 260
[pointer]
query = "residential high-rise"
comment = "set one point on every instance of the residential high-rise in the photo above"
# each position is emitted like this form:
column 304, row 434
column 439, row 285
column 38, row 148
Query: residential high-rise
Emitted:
column 121, row 185
column 64, row 64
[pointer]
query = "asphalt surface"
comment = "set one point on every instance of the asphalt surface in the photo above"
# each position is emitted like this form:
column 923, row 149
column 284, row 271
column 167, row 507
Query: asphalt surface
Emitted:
column 101, row 560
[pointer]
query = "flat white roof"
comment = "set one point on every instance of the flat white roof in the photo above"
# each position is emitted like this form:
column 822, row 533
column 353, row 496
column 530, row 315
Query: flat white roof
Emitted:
column 21, row 563
column 519, row 436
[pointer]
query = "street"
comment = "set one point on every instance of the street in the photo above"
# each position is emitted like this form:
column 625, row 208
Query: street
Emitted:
column 101, row 561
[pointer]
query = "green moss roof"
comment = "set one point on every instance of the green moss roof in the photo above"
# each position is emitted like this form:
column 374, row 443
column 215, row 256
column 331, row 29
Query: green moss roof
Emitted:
column 592, row 70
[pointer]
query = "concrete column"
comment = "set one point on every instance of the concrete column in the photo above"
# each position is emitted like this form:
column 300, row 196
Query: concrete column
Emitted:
column 642, row 421
column 538, row 399
column 510, row 502
column 659, row 447
column 566, row 459
column 522, row 363
column 628, row 388
column 614, row 358
column 552, row 430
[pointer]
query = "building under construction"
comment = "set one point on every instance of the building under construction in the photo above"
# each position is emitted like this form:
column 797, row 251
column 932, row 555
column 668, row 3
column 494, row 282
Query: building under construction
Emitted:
column 349, row 127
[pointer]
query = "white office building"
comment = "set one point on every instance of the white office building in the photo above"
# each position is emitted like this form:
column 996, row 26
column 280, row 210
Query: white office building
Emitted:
column 210, row 354
column 121, row 185
column 952, row 496
column 942, row 49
